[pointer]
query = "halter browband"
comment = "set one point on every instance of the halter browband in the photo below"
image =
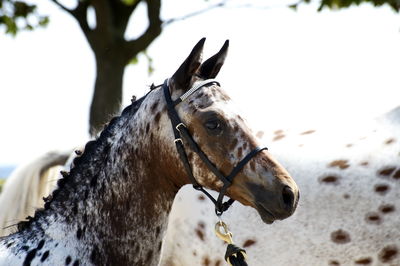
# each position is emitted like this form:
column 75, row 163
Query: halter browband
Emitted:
column 181, row 132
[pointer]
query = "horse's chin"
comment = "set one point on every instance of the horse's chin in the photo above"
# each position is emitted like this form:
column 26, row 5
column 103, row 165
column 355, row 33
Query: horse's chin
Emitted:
column 265, row 214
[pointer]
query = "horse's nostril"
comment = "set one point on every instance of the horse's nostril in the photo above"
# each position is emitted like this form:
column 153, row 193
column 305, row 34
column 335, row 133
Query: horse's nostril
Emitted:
column 288, row 197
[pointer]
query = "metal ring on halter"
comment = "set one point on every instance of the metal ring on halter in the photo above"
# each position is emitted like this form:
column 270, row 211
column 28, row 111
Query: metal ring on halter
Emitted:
column 178, row 125
column 178, row 140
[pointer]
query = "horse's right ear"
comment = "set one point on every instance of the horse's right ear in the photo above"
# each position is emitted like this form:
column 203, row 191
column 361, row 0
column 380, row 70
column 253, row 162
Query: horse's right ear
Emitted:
column 183, row 77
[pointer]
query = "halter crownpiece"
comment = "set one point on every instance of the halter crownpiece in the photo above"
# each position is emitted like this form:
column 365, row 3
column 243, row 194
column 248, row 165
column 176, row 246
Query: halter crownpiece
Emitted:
column 196, row 87
column 181, row 132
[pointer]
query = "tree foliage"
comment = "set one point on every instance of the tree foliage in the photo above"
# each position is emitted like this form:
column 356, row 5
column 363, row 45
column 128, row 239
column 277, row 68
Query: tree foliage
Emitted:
column 18, row 15
column 339, row 4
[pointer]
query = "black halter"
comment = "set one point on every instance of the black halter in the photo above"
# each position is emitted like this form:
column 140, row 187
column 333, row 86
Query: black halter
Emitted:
column 181, row 132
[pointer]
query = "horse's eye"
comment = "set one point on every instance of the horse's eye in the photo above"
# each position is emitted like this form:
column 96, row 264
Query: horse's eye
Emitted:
column 213, row 125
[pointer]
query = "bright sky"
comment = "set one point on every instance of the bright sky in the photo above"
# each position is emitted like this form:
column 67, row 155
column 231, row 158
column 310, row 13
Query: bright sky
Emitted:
column 283, row 68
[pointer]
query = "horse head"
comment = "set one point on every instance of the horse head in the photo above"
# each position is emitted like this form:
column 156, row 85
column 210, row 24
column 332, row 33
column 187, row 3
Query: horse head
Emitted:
column 211, row 119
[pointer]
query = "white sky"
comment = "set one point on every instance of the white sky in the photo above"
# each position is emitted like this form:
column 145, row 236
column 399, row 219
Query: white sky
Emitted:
column 283, row 68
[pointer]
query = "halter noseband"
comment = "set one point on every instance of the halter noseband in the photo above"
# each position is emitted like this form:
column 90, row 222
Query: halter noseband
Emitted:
column 181, row 132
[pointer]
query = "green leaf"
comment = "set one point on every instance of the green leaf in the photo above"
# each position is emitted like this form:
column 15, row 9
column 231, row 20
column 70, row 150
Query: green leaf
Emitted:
column 16, row 16
column 134, row 60
column 129, row 2
column 150, row 68
column 43, row 21
column 293, row 7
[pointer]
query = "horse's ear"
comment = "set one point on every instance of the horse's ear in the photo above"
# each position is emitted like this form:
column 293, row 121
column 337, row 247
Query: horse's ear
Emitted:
column 183, row 77
column 210, row 68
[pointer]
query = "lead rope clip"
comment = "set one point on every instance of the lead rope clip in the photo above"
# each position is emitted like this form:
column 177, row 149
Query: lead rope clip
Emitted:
column 234, row 255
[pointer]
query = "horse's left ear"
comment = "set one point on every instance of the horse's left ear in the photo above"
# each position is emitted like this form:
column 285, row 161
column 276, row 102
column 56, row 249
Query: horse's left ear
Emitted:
column 183, row 77
column 210, row 68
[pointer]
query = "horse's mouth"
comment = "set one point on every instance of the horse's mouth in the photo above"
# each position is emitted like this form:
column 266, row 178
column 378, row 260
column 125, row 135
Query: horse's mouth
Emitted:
column 265, row 214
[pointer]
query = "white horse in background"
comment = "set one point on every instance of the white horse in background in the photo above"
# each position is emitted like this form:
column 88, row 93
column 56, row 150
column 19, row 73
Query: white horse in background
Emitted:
column 349, row 213
column 25, row 188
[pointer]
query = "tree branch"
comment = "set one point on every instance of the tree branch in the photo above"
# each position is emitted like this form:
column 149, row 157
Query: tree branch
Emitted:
column 122, row 12
column 79, row 13
column 62, row 7
column 133, row 47
column 195, row 13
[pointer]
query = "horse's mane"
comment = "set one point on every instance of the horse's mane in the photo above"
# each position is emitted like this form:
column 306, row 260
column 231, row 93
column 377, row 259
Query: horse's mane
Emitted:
column 90, row 148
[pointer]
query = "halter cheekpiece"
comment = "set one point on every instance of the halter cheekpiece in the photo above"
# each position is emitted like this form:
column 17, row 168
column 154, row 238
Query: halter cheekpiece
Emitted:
column 182, row 133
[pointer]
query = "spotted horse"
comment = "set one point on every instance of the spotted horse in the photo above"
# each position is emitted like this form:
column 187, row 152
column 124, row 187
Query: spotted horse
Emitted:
column 349, row 213
column 112, row 207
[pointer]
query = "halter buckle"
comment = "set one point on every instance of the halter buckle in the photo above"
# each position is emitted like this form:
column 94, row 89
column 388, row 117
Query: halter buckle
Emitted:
column 180, row 124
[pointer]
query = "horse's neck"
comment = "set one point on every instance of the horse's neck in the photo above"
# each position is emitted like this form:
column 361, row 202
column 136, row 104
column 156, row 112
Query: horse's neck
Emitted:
column 115, row 203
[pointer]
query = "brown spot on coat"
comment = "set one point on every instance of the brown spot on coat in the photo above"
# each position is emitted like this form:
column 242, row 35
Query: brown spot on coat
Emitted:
column 199, row 95
column 248, row 243
column 373, row 218
column 240, row 153
column 387, row 208
column 200, row 230
column 364, row 261
column 397, row 174
column 260, row 134
column 332, row 180
column 153, row 107
column 201, row 197
column 364, row 163
column 388, row 254
column 342, row 164
column 390, row 141
column 382, row 189
column 307, row 132
column 333, row 263
column 278, row 137
column 200, row 234
column 149, row 256
column 202, row 225
column 386, row 171
column 233, row 144
column 340, row 237
column 157, row 117
column 349, row 145
column 253, row 166
column 278, row 132
column 244, row 146
column 206, row 261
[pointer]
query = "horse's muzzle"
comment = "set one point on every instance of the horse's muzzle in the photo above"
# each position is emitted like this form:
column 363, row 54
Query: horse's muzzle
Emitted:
column 275, row 204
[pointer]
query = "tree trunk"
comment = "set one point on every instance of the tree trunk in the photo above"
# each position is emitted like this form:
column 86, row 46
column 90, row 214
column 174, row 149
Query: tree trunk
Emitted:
column 112, row 51
column 107, row 96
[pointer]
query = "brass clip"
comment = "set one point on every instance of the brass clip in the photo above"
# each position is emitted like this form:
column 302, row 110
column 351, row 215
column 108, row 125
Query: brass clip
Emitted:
column 226, row 235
